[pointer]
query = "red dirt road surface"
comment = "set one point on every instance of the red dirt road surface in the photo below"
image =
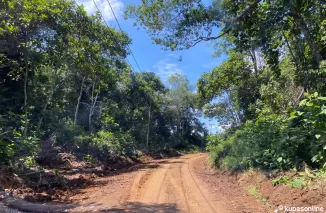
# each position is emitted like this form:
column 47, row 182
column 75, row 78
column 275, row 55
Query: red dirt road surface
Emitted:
column 181, row 184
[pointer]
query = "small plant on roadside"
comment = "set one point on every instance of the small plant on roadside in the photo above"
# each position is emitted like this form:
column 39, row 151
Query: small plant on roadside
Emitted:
column 56, row 171
column 296, row 182
column 299, row 182
column 253, row 191
column 138, row 153
column 280, row 180
column 89, row 159
column 28, row 161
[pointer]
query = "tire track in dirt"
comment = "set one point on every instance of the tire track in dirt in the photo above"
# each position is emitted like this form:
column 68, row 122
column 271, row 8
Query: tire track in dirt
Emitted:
column 162, row 183
column 174, row 185
column 195, row 197
column 139, row 184
column 178, row 187
column 199, row 189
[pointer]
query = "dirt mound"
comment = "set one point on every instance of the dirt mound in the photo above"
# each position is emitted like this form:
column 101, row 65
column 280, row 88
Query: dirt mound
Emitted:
column 55, row 182
column 289, row 196
column 163, row 154
column 55, row 157
column 276, row 195
column 47, row 186
column 8, row 179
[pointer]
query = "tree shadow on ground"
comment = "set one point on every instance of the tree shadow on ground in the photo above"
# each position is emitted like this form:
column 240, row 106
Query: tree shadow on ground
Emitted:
column 113, row 172
column 137, row 207
column 47, row 186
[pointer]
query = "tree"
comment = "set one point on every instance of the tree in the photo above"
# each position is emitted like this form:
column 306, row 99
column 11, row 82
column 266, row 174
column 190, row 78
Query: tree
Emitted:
column 64, row 76
column 48, row 46
column 183, row 24
column 181, row 107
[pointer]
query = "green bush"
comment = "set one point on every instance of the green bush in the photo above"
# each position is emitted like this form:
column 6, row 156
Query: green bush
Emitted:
column 311, row 117
column 276, row 141
column 106, row 144
column 6, row 150
column 66, row 131
column 116, row 144
column 266, row 143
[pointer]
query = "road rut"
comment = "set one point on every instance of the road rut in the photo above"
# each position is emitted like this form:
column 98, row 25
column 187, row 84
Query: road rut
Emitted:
column 174, row 185
column 171, row 186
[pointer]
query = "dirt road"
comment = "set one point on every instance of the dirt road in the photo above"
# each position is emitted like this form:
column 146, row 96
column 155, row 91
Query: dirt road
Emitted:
column 170, row 185
column 181, row 184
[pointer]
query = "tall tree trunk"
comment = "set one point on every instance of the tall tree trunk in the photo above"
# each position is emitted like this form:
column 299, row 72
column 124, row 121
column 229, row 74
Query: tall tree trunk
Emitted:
column 48, row 100
column 79, row 99
column 26, row 56
column 92, row 109
column 91, row 113
column 254, row 60
column 149, row 122
column 305, row 30
column 294, row 58
column 231, row 108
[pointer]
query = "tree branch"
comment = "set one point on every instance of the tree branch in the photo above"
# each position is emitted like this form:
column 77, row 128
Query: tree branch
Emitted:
column 4, row 133
column 241, row 15
column 231, row 22
column 200, row 39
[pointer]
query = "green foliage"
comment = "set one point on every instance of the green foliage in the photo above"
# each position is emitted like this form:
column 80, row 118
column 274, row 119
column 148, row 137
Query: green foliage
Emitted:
column 213, row 141
column 28, row 161
column 296, row 182
column 66, row 131
column 105, row 145
column 299, row 183
column 258, row 144
column 117, row 144
column 6, row 150
column 272, row 142
column 64, row 79
column 311, row 116
column 88, row 158
column 262, row 81
column 280, row 180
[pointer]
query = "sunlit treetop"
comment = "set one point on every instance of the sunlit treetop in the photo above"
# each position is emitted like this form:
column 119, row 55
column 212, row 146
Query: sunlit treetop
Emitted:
column 181, row 24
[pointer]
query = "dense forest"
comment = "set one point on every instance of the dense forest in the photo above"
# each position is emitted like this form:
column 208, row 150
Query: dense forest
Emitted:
column 270, row 92
column 81, row 130
column 65, row 79
column 65, row 82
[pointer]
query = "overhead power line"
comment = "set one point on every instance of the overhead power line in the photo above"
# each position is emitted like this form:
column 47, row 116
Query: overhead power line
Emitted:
column 114, row 39
column 112, row 36
column 122, row 31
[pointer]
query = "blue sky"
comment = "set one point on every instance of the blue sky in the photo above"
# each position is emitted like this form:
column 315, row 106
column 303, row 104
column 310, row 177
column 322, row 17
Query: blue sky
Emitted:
column 151, row 57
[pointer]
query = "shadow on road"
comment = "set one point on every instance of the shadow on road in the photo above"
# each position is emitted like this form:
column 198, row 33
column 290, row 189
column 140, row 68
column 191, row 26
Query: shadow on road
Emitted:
column 137, row 207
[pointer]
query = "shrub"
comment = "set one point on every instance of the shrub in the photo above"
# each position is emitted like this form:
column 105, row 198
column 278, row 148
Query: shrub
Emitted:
column 276, row 141
column 265, row 143
column 115, row 143
column 311, row 117
column 6, row 150
column 106, row 144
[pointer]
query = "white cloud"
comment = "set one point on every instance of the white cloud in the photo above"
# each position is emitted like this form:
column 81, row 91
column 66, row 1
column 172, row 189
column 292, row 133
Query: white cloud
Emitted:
column 104, row 7
column 165, row 69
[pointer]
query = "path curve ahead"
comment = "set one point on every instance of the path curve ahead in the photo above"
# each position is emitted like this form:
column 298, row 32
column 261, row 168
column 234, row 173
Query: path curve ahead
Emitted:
column 174, row 185
column 171, row 186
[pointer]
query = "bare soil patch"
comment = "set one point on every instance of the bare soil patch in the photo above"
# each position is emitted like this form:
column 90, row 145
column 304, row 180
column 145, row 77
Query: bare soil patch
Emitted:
column 255, row 190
